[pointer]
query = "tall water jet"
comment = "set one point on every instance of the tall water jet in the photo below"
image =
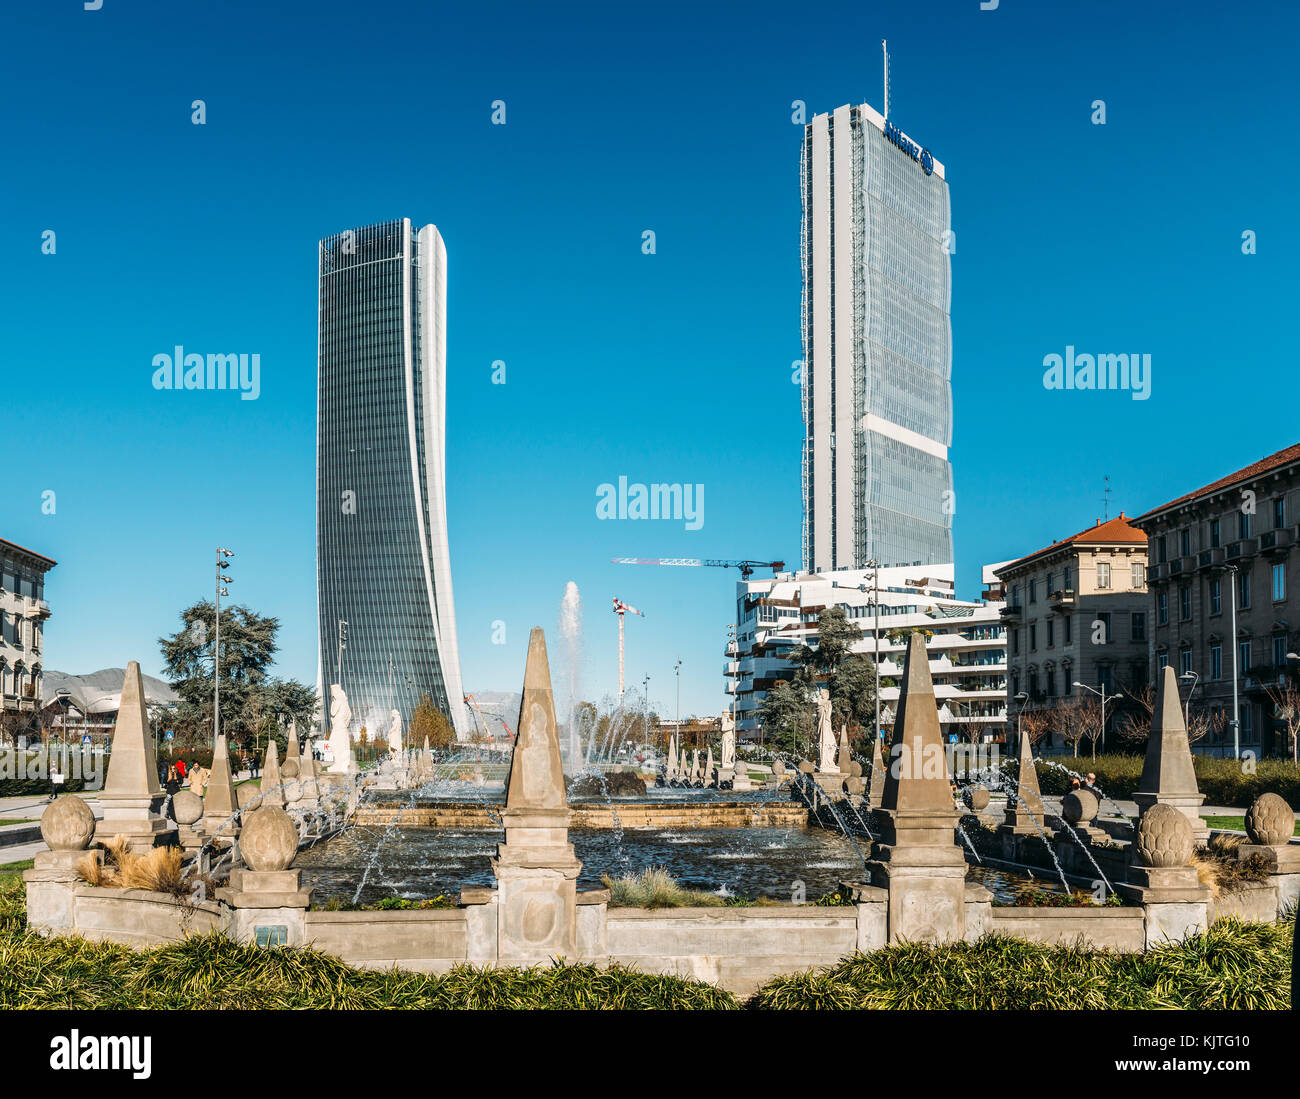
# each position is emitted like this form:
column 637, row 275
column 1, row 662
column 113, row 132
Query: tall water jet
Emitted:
column 571, row 635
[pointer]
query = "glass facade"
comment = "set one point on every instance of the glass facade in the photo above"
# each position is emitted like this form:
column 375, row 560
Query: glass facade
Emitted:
column 886, row 311
column 381, row 531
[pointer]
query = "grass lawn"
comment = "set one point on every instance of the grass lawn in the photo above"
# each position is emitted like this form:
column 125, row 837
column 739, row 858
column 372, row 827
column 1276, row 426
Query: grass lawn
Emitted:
column 16, row 820
column 1238, row 824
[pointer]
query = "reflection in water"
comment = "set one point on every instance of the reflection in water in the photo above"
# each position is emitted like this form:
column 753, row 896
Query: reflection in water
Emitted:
column 745, row 862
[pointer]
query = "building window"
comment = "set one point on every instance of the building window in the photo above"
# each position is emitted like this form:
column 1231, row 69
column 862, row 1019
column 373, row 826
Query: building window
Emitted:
column 1139, row 626
column 1185, row 603
column 1015, row 640
column 1033, row 637
column 1184, row 661
column 1104, row 619
column 1216, row 661
column 1215, row 534
column 1243, row 524
column 1162, row 549
column 1103, row 574
column 1050, row 578
column 1247, row 725
column 1162, row 608
column 1279, row 513
column 1068, row 624
column 1050, row 633
column 1067, row 681
column 1243, row 656
column 1106, row 678
column 1243, row 593
column 1033, row 591
column 1139, row 574
column 1185, row 543
column 1162, row 661
column 1216, row 596
column 1279, row 582
column 1279, row 652
column 1066, row 581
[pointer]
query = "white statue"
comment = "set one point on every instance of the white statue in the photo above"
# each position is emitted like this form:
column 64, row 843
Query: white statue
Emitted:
column 825, row 737
column 340, row 729
column 728, row 742
column 395, row 732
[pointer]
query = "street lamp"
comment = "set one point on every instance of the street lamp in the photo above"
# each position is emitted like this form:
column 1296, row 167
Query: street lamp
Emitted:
column 677, row 671
column 1020, row 700
column 645, row 707
column 1193, row 678
column 223, row 578
column 1232, row 599
column 873, row 571
column 1100, row 692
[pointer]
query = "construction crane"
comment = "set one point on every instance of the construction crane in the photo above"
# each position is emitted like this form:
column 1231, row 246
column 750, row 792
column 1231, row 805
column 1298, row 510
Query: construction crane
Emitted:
column 746, row 567
column 481, row 719
column 621, row 609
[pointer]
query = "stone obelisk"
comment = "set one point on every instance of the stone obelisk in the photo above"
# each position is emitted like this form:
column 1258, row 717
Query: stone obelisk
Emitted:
column 917, row 857
column 220, row 802
column 272, row 781
column 536, row 868
column 1167, row 774
column 1025, row 815
column 132, row 796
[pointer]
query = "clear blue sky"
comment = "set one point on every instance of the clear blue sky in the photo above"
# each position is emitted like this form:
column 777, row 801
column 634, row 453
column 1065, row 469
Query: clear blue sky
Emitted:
column 673, row 367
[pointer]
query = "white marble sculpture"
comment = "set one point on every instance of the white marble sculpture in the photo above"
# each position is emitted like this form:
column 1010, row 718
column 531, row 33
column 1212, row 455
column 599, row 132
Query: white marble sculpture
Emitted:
column 395, row 732
column 340, row 730
column 825, row 737
column 728, row 742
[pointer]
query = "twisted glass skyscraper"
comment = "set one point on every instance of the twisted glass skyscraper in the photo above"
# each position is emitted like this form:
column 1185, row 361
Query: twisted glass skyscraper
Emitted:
column 877, row 345
column 382, row 560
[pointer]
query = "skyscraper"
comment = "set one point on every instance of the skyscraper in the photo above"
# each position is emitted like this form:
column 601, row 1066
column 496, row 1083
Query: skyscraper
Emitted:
column 382, row 561
column 877, row 346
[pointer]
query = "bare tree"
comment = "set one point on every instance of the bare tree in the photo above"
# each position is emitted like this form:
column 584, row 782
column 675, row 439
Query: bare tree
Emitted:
column 1286, row 709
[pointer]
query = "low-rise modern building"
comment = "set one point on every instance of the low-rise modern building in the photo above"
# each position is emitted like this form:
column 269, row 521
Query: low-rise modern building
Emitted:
column 23, row 613
column 1077, row 612
column 1223, row 570
column 966, row 643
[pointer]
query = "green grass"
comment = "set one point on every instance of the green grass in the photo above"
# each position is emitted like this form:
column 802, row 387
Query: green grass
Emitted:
column 1222, row 781
column 16, row 820
column 1237, row 824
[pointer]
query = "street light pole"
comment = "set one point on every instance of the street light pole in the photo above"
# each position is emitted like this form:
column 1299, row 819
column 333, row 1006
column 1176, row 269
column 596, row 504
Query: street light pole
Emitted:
column 1101, row 693
column 222, row 581
column 1236, row 724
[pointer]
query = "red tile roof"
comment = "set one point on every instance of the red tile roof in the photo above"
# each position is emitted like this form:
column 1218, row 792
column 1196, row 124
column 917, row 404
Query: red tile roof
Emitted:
column 1117, row 530
column 5, row 544
column 1264, row 465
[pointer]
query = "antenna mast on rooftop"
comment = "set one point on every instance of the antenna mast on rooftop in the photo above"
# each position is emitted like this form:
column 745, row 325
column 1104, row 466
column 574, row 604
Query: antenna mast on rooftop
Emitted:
column 1105, row 500
column 884, row 52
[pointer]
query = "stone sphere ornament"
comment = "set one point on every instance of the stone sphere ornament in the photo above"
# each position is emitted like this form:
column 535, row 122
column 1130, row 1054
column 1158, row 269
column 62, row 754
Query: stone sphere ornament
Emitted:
column 248, row 794
column 268, row 839
column 187, row 807
column 1270, row 821
column 1164, row 838
column 1080, row 807
column 976, row 798
column 67, row 824
column 289, row 768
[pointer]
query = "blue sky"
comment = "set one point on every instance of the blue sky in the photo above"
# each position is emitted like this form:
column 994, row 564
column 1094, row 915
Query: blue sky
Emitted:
column 673, row 367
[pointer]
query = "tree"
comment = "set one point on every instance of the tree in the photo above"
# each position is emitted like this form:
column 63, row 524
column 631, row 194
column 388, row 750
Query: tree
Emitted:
column 429, row 721
column 786, row 714
column 1286, row 709
column 853, row 693
column 249, row 695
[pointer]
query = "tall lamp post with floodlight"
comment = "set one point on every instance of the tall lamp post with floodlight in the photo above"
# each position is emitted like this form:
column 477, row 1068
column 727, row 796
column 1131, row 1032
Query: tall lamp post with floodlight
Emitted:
column 223, row 578
column 1192, row 679
column 1100, row 692
column 1231, row 570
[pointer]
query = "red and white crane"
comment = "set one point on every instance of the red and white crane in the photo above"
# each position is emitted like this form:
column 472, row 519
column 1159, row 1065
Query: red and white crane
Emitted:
column 621, row 609
column 746, row 567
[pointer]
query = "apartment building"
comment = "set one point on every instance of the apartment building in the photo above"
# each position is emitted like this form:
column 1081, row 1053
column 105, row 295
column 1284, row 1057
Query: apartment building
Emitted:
column 1222, row 577
column 23, row 613
column 1077, row 611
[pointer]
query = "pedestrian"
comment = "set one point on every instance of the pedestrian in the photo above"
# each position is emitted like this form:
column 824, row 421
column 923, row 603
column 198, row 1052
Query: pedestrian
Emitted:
column 180, row 769
column 172, row 783
column 1074, row 784
column 1091, row 785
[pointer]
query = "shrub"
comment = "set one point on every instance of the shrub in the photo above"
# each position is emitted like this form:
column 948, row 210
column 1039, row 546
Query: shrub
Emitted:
column 1233, row 965
column 1220, row 780
column 656, row 888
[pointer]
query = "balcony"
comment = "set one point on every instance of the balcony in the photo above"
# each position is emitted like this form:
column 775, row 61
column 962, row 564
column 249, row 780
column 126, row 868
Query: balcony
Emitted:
column 1244, row 548
column 1010, row 613
column 35, row 608
column 731, row 668
column 732, row 649
column 1275, row 540
column 1062, row 599
column 1210, row 558
column 1157, row 572
column 1180, row 565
